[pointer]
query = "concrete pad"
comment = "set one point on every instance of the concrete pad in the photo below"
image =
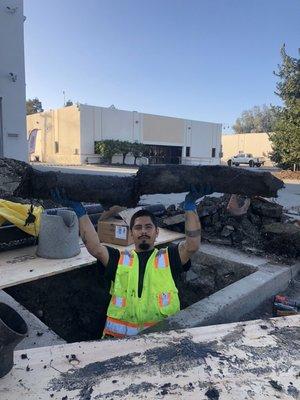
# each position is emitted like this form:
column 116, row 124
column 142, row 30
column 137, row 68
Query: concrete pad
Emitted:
column 249, row 360
column 39, row 335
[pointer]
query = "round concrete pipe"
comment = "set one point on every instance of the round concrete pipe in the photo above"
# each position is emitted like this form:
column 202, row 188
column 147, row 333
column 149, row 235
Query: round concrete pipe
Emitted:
column 13, row 329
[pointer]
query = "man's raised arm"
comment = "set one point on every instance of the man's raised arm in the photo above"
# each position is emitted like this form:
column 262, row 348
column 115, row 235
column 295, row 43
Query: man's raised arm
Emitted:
column 87, row 231
column 91, row 240
column 192, row 224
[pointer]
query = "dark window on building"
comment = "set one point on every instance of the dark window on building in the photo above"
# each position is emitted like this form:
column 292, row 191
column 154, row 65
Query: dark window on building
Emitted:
column 159, row 154
column 187, row 151
column 56, row 147
column 213, row 152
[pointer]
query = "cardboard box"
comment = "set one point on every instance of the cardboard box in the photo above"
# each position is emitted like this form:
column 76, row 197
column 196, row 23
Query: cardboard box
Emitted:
column 114, row 231
column 113, row 225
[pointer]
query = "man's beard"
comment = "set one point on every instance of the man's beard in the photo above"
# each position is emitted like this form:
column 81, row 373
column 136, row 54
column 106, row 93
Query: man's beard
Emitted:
column 144, row 246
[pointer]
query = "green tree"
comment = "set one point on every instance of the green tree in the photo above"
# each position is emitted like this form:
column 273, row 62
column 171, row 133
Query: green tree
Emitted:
column 137, row 150
column 69, row 103
column 33, row 106
column 257, row 119
column 286, row 136
column 107, row 149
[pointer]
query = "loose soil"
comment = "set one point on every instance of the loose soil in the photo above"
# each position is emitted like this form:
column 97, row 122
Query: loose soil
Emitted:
column 73, row 304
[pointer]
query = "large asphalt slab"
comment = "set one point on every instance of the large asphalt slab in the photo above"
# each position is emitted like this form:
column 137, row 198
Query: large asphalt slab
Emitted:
column 289, row 197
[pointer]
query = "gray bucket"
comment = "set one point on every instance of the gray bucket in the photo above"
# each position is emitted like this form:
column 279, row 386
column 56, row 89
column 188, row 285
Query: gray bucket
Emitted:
column 13, row 329
column 59, row 235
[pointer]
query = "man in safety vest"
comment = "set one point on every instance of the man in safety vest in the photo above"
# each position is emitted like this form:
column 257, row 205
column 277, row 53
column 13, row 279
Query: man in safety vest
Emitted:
column 143, row 291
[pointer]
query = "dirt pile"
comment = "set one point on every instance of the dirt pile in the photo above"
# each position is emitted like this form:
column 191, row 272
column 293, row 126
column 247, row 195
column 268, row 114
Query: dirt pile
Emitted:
column 253, row 232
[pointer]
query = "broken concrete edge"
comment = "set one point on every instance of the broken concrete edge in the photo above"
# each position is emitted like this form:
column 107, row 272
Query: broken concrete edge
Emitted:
column 39, row 334
column 238, row 360
column 231, row 303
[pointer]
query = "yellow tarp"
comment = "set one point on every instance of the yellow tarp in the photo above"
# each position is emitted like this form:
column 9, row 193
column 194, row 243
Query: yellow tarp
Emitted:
column 21, row 216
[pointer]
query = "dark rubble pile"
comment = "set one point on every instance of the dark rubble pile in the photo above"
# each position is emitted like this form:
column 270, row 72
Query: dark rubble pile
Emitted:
column 263, row 229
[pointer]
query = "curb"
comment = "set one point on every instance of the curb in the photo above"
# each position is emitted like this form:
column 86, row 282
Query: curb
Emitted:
column 232, row 302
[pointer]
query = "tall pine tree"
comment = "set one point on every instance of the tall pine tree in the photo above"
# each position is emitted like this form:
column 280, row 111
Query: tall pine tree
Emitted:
column 33, row 106
column 286, row 138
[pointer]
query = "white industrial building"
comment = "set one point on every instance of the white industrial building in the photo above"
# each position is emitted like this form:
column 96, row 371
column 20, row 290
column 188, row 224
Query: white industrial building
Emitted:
column 68, row 135
column 13, row 141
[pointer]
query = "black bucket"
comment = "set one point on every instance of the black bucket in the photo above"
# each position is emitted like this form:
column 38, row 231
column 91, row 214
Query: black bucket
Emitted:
column 13, row 329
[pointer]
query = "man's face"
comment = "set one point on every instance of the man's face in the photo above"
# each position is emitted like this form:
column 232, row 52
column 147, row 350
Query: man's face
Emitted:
column 144, row 233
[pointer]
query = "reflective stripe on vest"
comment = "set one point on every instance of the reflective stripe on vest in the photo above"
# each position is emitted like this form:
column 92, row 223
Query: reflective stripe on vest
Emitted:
column 164, row 299
column 126, row 259
column 119, row 301
column 161, row 260
column 117, row 328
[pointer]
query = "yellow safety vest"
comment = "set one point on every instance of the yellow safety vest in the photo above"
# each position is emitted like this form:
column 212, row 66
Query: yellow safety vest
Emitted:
column 127, row 313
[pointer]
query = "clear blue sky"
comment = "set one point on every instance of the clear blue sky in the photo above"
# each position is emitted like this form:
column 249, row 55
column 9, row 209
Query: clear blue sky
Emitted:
column 200, row 59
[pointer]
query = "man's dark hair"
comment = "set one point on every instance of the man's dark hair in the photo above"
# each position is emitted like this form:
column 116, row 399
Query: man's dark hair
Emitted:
column 143, row 213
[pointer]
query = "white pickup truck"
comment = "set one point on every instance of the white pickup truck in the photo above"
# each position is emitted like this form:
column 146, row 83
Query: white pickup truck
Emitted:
column 246, row 158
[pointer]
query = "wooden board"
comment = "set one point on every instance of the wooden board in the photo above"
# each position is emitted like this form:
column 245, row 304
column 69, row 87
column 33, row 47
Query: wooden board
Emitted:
column 249, row 360
column 22, row 265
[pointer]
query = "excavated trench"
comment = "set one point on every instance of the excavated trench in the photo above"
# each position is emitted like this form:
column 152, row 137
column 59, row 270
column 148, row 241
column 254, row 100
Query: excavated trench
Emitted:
column 74, row 304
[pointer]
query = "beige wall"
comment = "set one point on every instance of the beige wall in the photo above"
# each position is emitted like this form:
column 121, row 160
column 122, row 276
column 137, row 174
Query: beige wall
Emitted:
column 165, row 130
column 100, row 123
column 62, row 126
column 256, row 143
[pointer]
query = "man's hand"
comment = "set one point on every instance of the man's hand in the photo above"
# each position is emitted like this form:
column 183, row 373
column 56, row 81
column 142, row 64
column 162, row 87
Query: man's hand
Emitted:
column 61, row 198
column 190, row 199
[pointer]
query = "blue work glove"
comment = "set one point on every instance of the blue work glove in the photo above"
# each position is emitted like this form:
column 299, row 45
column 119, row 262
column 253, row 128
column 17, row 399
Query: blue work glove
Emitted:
column 194, row 194
column 61, row 198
